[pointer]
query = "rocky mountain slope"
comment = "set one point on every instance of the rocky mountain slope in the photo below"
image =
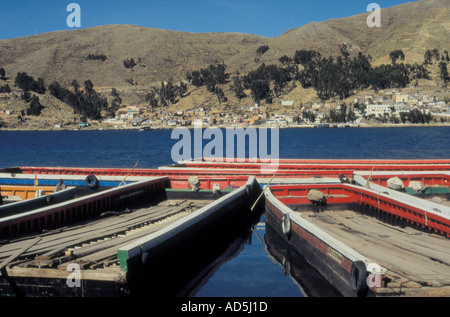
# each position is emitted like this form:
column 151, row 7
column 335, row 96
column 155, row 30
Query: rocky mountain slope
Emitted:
column 100, row 53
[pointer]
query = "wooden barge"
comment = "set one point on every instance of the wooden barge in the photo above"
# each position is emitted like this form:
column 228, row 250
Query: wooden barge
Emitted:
column 14, row 193
column 102, row 244
column 331, row 236
column 285, row 168
column 366, row 240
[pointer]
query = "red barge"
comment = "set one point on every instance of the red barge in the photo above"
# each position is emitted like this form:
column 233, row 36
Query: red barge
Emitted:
column 351, row 189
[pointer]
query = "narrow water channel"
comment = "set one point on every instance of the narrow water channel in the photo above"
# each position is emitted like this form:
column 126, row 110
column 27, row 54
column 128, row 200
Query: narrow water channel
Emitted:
column 260, row 264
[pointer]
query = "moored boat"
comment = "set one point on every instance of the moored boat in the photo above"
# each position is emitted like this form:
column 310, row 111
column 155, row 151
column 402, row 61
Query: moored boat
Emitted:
column 40, row 246
column 363, row 255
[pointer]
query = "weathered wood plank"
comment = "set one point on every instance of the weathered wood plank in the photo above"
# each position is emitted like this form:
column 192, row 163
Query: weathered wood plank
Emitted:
column 417, row 255
column 63, row 239
column 55, row 244
column 25, row 247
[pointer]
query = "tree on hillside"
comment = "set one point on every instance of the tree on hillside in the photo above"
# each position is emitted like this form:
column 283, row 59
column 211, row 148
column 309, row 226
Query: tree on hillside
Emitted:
column 435, row 53
column 220, row 95
column 447, row 58
column 427, row 57
column 285, row 60
column 344, row 50
column 88, row 86
column 129, row 63
column 75, row 85
column 419, row 72
column 308, row 115
column 260, row 90
column 56, row 90
column 211, row 76
column 5, row 89
column 26, row 96
column 101, row 57
column 306, row 57
column 2, row 73
column 151, row 99
column 28, row 83
column 167, row 93
column 35, row 107
column 395, row 55
column 262, row 49
column 115, row 103
column 443, row 72
column 87, row 103
column 238, row 88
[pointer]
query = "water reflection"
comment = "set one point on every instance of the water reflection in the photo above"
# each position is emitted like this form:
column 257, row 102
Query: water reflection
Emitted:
column 296, row 267
column 258, row 264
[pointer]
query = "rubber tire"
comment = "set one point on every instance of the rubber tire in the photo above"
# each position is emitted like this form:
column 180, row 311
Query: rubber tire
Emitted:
column 358, row 278
column 92, row 182
column 50, row 199
column 286, row 226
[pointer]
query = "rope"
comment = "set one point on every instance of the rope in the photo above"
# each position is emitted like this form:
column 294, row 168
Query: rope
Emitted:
column 262, row 193
column 123, row 180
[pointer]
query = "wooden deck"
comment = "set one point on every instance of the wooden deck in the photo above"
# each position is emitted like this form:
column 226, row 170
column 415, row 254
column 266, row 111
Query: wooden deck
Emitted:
column 92, row 245
column 417, row 262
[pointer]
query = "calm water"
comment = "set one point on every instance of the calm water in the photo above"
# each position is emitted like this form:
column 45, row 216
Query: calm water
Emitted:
column 252, row 264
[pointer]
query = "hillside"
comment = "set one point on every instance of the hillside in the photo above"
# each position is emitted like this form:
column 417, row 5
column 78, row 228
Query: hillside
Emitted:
column 412, row 27
column 160, row 55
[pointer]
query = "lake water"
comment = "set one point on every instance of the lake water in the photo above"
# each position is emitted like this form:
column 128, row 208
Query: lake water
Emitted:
column 253, row 265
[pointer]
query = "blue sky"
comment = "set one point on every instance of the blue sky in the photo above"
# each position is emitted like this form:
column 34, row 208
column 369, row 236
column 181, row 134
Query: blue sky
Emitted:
column 262, row 17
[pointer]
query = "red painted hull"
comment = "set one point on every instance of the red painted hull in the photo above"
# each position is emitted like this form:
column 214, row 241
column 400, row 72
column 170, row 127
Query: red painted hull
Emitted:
column 335, row 261
column 348, row 194
column 330, row 166
column 57, row 215
column 328, row 256
column 341, row 161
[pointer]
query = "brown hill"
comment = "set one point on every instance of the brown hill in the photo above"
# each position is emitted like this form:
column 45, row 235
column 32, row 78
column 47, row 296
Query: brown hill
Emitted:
column 161, row 54
column 412, row 27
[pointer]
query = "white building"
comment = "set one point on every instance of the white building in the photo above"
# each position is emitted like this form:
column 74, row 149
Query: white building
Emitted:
column 287, row 103
column 378, row 109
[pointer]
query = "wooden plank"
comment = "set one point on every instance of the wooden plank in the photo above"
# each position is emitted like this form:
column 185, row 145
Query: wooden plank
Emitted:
column 110, row 274
column 16, row 254
column 60, row 241
column 76, row 236
column 418, row 256
column 54, row 244
column 115, row 242
column 109, row 249
column 186, row 226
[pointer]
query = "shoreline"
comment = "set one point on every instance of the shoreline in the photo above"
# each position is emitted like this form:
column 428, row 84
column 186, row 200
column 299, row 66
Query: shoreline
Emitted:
column 332, row 126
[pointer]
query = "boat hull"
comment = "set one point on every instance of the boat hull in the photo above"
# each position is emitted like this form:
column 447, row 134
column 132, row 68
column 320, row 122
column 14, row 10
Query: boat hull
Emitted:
column 190, row 243
column 342, row 267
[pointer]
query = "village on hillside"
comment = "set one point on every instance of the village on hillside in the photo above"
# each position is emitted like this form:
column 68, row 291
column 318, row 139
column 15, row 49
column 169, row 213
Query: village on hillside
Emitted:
column 388, row 107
